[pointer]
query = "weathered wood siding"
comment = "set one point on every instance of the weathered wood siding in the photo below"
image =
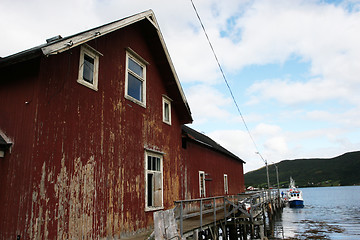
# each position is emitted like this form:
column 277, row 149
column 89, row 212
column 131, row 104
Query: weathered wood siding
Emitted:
column 215, row 164
column 76, row 168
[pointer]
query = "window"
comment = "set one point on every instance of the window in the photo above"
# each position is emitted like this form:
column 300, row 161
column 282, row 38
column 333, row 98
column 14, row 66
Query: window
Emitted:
column 226, row 186
column 202, row 183
column 154, row 181
column 166, row 110
column 135, row 79
column 89, row 67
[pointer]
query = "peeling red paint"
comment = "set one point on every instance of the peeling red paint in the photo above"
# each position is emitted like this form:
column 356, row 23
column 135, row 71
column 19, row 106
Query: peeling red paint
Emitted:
column 214, row 164
column 77, row 169
column 77, row 165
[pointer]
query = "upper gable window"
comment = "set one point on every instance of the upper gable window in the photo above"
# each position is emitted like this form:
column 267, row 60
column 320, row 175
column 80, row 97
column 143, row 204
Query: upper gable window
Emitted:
column 89, row 67
column 166, row 110
column 135, row 79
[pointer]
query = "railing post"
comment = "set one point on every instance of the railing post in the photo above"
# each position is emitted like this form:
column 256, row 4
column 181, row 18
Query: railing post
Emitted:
column 201, row 214
column 252, row 215
column 224, row 229
column 214, row 204
column 251, row 209
column 224, row 200
column 181, row 218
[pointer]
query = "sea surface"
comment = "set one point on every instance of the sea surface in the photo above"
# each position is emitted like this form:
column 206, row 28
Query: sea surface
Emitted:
column 328, row 213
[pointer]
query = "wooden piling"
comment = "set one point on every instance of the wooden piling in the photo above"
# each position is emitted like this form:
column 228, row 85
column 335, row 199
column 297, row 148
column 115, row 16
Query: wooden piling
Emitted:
column 232, row 230
column 243, row 216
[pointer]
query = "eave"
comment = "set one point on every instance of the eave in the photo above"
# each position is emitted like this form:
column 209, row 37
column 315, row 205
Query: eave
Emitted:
column 207, row 142
column 64, row 44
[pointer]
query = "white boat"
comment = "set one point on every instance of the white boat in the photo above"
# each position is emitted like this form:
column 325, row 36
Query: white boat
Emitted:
column 294, row 196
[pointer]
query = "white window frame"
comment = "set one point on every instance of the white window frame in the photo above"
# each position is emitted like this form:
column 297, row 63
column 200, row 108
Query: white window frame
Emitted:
column 202, row 183
column 160, row 179
column 141, row 62
column 166, row 100
column 86, row 49
column 226, row 184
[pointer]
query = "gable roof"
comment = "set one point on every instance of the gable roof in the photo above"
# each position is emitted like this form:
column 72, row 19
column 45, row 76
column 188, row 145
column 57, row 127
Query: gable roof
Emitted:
column 58, row 44
column 206, row 141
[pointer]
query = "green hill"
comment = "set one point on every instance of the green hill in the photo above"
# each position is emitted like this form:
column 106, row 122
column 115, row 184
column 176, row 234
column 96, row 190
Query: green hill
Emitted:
column 343, row 170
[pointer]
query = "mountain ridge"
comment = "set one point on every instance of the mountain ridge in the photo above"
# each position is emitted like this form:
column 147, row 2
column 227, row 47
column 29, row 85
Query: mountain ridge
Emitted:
column 342, row 170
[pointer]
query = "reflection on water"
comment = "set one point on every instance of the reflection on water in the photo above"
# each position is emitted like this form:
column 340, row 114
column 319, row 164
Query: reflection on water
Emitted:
column 328, row 213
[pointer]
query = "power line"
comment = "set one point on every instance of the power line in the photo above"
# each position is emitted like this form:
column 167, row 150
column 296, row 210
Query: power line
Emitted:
column 224, row 77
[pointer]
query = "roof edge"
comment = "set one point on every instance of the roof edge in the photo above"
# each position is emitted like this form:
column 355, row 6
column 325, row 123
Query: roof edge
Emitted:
column 208, row 142
column 67, row 43
column 173, row 69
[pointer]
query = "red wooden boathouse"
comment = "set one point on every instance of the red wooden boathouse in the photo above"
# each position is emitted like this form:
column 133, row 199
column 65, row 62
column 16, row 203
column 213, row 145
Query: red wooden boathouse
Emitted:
column 213, row 170
column 91, row 136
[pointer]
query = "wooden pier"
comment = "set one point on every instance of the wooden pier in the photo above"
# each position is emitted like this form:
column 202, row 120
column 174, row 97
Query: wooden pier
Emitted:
column 242, row 216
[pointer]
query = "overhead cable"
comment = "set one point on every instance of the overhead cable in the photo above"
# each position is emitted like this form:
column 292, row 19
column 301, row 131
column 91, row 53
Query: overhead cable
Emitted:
column 224, row 77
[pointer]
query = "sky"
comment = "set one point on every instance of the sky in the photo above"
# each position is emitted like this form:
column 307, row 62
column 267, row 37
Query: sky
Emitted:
column 293, row 66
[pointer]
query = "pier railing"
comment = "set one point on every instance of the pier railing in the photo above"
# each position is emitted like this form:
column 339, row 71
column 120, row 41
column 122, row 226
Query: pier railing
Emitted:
column 197, row 213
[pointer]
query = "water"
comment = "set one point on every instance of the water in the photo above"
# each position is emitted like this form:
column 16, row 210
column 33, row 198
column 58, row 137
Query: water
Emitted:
column 328, row 213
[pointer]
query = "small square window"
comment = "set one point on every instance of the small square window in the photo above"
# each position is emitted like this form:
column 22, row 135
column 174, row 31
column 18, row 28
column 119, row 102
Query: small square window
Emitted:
column 135, row 79
column 166, row 110
column 88, row 67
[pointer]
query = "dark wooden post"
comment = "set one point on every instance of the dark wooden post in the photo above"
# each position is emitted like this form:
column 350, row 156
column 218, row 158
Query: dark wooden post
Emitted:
column 232, row 230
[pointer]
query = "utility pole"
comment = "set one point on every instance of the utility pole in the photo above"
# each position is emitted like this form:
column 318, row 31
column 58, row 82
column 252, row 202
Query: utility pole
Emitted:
column 277, row 177
column 267, row 169
column 267, row 174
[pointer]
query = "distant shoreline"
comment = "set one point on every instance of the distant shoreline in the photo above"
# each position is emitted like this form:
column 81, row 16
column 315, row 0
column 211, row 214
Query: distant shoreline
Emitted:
column 316, row 172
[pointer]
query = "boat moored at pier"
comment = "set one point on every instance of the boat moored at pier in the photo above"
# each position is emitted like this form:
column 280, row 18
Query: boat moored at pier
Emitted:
column 294, row 196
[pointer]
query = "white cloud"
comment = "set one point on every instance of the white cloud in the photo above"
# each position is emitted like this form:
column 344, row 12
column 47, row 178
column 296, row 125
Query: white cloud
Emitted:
column 274, row 141
column 295, row 92
column 193, row 60
column 35, row 21
column 324, row 35
column 273, row 31
column 319, row 115
column 207, row 103
column 276, row 145
column 266, row 129
column 348, row 118
column 239, row 143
